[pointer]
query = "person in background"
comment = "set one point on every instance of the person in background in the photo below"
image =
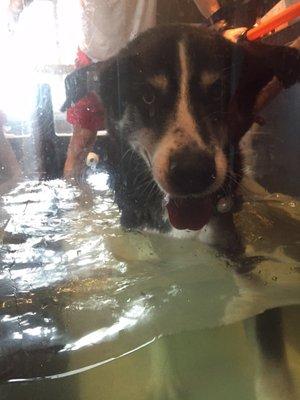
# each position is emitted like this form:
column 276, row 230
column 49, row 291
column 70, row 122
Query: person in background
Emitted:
column 106, row 27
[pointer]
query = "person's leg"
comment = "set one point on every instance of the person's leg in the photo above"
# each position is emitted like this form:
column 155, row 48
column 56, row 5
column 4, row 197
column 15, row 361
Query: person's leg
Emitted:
column 80, row 145
column 207, row 7
column 87, row 117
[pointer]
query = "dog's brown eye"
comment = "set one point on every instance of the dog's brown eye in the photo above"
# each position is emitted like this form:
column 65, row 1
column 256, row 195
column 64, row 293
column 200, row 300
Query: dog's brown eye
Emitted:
column 216, row 88
column 148, row 98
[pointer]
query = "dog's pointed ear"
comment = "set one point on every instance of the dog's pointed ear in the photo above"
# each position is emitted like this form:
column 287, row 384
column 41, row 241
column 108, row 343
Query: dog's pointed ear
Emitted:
column 254, row 65
column 116, row 78
column 282, row 61
column 110, row 80
column 81, row 82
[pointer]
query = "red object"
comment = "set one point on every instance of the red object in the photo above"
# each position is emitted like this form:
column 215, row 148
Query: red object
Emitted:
column 273, row 22
column 88, row 112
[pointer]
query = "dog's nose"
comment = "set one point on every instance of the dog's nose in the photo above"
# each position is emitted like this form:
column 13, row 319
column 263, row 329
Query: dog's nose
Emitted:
column 191, row 172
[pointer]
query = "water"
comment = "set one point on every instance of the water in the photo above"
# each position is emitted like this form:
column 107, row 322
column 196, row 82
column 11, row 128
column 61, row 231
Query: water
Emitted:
column 84, row 303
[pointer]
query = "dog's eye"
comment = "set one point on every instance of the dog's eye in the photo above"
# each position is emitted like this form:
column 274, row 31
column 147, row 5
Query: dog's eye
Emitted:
column 215, row 85
column 215, row 90
column 148, row 97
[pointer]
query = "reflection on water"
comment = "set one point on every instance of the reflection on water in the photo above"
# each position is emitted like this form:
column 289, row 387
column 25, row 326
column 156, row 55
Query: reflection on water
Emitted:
column 128, row 320
column 78, row 292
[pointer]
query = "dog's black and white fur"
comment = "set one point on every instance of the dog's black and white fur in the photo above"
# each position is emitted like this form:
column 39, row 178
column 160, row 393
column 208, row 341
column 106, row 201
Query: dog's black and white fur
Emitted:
column 178, row 100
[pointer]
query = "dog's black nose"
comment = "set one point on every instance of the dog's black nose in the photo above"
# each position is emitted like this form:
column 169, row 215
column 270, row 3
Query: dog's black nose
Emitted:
column 191, row 172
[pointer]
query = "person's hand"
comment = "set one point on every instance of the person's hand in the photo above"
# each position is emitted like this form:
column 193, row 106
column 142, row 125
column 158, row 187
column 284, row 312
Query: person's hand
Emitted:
column 234, row 34
column 17, row 6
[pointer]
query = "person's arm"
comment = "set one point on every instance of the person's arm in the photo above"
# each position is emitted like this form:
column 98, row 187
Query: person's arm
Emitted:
column 16, row 7
column 210, row 7
column 207, row 7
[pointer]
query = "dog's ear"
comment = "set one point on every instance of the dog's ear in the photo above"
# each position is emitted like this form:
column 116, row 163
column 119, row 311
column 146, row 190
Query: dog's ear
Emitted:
column 117, row 76
column 80, row 82
column 110, row 80
column 255, row 65
column 282, row 61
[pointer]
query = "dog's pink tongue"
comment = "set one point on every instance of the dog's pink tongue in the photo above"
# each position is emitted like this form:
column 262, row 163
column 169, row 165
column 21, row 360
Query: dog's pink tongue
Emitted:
column 190, row 214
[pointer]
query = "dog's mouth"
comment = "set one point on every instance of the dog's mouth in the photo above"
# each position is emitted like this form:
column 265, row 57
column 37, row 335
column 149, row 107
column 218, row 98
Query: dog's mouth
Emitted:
column 189, row 213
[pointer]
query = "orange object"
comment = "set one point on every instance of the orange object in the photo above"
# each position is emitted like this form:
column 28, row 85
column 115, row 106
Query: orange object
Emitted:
column 274, row 22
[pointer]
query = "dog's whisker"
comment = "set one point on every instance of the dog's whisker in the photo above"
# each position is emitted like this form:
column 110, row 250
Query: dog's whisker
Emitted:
column 143, row 183
column 147, row 188
column 153, row 189
column 225, row 191
column 234, row 180
column 142, row 178
column 125, row 154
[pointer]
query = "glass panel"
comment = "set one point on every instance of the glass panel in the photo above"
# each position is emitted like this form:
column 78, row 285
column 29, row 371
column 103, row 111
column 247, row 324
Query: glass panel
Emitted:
column 149, row 211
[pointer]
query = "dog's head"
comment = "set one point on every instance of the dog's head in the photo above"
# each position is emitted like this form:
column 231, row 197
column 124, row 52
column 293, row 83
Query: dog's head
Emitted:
column 182, row 97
